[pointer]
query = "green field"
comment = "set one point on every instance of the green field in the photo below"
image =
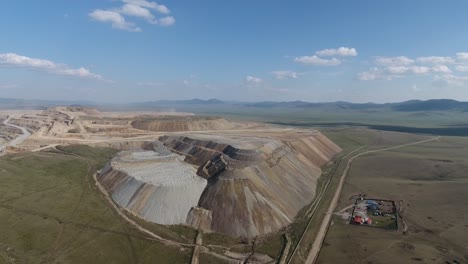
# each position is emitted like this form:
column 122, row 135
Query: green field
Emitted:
column 51, row 212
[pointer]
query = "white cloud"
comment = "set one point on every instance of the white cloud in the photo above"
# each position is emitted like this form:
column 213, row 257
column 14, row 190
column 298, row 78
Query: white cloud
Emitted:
column 449, row 79
column 374, row 74
column 133, row 8
column 15, row 60
column 462, row 68
column 393, row 72
column 389, row 68
column 167, row 21
column 401, row 70
column 463, row 56
column 282, row 75
column 147, row 4
column 341, row 51
column 314, row 60
column 367, row 76
column 319, row 61
column 441, row 68
column 251, row 80
column 394, row 61
column 420, row 69
column 138, row 11
column 115, row 18
column 397, row 69
column 435, row 60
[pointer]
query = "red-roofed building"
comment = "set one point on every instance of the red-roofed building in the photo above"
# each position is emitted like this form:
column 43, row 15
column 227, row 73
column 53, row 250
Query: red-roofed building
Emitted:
column 358, row 220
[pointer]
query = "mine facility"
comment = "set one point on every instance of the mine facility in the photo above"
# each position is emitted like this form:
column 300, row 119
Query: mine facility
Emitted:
column 375, row 213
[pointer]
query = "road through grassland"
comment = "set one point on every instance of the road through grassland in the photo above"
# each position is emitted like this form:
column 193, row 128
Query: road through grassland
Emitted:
column 316, row 246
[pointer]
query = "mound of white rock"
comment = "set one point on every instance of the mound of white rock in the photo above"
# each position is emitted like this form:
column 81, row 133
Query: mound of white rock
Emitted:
column 156, row 186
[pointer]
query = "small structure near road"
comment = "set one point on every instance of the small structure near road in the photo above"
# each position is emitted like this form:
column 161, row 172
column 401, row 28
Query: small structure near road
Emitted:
column 375, row 213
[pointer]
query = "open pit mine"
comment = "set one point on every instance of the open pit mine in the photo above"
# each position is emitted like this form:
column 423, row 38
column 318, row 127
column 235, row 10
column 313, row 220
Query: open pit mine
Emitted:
column 236, row 178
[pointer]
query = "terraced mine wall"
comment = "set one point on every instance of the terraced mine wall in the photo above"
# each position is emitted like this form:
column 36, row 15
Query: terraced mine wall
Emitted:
column 182, row 124
column 249, row 190
column 253, row 192
column 8, row 133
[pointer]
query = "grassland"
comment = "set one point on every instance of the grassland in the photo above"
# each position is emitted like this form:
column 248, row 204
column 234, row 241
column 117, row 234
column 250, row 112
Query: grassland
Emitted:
column 51, row 213
column 450, row 123
column 431, row 181
column 350, row 138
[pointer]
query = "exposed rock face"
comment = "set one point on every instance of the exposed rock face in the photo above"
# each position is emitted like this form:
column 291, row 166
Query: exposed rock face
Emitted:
column 182, row 124
column 158, row 188
column 253, row 192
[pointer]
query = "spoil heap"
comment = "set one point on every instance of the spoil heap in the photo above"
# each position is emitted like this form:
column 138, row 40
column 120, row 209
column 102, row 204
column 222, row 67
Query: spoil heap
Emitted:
column 256, row 191
column 243, row 186
column 156, row 186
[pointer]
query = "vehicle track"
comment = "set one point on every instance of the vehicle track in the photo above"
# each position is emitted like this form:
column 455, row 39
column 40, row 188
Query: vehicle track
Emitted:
column 315, row 204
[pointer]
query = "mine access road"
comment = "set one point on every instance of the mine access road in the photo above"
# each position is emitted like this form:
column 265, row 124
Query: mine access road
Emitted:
column 18, row 139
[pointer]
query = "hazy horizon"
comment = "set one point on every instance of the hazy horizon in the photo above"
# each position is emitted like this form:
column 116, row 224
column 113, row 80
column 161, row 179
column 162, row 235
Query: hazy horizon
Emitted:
column 97, row 102
column 138, row 50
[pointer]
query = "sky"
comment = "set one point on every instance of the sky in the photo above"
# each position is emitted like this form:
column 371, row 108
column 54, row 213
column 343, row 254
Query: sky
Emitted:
column 118, row 51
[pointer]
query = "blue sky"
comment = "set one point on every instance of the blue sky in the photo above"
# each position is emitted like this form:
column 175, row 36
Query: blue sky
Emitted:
column 138, row 50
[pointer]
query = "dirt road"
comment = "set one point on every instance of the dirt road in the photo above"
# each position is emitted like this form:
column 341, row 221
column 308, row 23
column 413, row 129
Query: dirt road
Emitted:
column 18, row 139
column 317, row 245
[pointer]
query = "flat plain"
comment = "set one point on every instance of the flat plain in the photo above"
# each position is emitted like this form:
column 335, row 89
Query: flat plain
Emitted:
column 430, row 180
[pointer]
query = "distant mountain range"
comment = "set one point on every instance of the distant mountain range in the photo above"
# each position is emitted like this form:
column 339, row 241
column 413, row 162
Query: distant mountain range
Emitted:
column 180, row 105
column 407, row 106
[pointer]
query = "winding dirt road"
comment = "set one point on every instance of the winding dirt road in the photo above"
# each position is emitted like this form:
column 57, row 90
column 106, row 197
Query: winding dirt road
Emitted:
column 18, row 139
column 317, row 245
